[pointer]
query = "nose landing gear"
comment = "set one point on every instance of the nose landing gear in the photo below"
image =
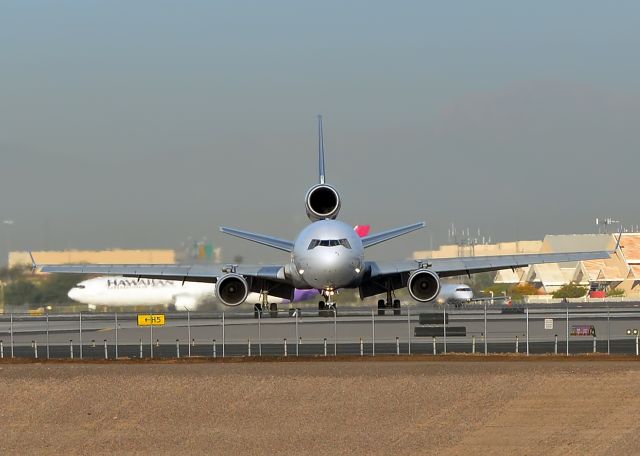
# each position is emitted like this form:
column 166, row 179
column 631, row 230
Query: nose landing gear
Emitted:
column 327, row 308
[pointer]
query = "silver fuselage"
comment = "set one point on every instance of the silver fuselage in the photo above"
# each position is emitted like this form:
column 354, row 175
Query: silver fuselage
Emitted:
column 327, row 255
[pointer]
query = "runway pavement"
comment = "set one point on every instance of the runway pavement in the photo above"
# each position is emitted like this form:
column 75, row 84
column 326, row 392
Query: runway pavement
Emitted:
column 350, row 332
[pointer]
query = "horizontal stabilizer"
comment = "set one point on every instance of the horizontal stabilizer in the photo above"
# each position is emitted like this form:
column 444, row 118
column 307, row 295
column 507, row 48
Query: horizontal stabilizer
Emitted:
column 276, row 243
column 377, row 238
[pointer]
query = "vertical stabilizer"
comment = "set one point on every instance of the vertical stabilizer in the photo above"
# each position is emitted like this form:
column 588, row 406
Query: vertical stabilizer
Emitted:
column 320, row 151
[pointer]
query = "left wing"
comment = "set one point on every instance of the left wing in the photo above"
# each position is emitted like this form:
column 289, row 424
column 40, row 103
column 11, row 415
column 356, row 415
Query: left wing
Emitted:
column 185, row 273
column 381, row 276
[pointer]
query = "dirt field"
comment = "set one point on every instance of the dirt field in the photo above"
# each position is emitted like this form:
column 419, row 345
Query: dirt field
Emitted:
column 363, row 407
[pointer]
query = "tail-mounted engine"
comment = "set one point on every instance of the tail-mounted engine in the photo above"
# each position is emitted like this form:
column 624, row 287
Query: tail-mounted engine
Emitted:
column 323, row 202
column 232, row 289
column 424, row 285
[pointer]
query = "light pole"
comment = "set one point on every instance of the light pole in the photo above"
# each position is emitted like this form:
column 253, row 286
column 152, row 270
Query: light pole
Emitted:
column 7, row 224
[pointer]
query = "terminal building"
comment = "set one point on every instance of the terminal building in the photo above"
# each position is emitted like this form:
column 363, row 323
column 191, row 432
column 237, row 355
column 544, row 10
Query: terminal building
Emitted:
column 116, row 256
column 621, row 271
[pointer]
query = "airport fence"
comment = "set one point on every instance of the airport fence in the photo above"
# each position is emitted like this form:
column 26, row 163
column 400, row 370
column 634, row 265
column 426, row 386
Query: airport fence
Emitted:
column 302, row 332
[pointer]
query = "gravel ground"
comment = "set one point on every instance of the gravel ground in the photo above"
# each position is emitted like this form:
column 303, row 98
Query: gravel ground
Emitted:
column 364, row 407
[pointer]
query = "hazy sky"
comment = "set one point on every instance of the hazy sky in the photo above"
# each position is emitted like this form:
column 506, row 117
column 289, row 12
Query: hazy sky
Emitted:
column 141, row 124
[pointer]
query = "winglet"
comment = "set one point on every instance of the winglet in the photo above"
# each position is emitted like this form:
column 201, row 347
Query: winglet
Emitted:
column 320, row 151
column 34, row 265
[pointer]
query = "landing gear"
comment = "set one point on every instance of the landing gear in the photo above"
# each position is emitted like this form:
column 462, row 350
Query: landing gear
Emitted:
column 396, row 307
column 327, row 309
column 389, row 303
column 273, row 310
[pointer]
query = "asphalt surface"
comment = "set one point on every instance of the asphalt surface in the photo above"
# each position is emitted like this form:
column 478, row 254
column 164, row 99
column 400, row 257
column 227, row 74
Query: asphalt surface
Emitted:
column 350, row 333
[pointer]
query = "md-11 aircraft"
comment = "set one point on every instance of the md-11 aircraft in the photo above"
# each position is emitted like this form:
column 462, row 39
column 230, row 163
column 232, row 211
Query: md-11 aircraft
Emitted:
column 327, row 255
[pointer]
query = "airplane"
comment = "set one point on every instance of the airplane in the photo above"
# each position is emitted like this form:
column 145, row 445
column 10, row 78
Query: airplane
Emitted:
column 327, row 255
column 110, row 291
column 121, row 291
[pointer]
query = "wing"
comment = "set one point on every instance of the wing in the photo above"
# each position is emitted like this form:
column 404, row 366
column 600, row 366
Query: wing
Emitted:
column 276, row 243
column 377, row 238
column 381, row 276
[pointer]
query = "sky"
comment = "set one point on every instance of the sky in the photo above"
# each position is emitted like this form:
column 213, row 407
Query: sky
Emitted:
column 146, row 124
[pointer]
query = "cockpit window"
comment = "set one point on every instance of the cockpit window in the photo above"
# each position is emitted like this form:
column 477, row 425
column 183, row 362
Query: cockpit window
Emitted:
column 328, row 243
column 80, row 286
column 463, row 289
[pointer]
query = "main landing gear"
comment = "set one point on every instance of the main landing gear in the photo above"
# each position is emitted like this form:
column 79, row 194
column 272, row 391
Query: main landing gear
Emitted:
column 258, row 308
column 390, row 303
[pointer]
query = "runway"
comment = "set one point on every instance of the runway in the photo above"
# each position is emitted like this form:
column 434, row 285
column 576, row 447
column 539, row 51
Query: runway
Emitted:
column 351, row 332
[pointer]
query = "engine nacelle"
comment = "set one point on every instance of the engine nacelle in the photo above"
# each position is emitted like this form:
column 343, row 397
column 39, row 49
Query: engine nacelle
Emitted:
column 322, row 202
column 232, row 289
column 424, row 285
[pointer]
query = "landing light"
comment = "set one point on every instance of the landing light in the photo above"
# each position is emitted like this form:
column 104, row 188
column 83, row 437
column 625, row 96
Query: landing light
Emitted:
column 357, row 270
column 300, row 271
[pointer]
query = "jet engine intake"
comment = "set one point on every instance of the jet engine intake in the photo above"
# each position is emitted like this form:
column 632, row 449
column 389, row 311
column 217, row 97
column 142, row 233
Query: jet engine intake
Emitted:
column 232, row 289
column 323, row 202
column 424, row 285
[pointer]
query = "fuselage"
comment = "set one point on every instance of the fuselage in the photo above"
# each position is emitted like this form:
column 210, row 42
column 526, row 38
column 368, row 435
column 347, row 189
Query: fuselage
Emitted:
column 327, row 254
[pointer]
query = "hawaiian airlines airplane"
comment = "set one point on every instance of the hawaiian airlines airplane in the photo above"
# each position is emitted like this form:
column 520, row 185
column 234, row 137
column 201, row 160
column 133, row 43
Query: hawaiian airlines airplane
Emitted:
column 119, row 291
column 327, row 255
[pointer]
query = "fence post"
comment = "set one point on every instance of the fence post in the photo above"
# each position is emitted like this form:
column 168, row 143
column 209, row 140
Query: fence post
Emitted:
column 151, row 340
column 409, row 329
column 567, row 329
column 215, row 355
column 106, row 350
column 177, row 348
column 80, row 335
column 444, row 328
column 140, row 348
column 299, row 344
column 335, row 332
column 11, row 331
column 373, row 334
column 47, row 335
column 116, row 325
column 1, row 350
column 555, row 346
column 189, row 332
column 637, row 352
column 223, row 335
column 517, row 343
column 484, row 335
column 473, row 344
column 361, row 347
column 35, row 349
column 71, row 348
column 285, row 346
column 594, row 344
column 527, row 310
column 397, row 345
column 434, row 345
column 608, row 331
column 260, row 332
column 325, row 346
column 248, row 347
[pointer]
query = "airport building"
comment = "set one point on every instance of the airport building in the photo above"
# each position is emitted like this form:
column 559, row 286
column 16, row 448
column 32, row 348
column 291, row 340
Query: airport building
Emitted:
column 620, row 271
column 115, row 256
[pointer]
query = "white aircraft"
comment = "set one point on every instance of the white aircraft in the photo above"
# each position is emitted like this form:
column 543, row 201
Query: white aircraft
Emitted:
column 129, row 292
column 327, row 255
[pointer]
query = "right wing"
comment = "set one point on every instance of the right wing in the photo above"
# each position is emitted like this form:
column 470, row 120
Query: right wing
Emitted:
column 381, row 276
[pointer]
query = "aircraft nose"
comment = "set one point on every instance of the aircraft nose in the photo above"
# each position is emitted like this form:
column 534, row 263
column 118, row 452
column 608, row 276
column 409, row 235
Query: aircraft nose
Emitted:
column 73, row 293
